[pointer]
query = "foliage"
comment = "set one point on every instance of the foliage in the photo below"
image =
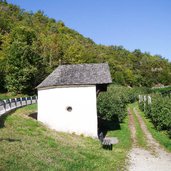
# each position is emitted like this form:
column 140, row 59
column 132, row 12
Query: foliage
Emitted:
column 33, row 45
column 24, row 64
column 112, row 104
column 4, row 96
column 159, row 111
column 26, row 144
column 163, row 90
column 160, row 136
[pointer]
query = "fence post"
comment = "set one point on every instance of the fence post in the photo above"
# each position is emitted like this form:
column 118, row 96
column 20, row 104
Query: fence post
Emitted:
column 21, row 101
column 15, row 102
column 145, row 102
column 149, row 100
column 140, row 98
column 4, row 105
column 31, row 100
column 10, row 103
column 26, row 100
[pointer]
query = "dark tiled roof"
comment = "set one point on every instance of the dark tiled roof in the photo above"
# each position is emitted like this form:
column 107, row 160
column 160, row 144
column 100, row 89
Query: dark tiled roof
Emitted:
column 81, row 74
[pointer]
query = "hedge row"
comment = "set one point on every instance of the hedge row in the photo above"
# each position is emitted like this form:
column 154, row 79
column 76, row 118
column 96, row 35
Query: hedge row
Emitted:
column 165, row 91
column 159, row 111
column 112, row 104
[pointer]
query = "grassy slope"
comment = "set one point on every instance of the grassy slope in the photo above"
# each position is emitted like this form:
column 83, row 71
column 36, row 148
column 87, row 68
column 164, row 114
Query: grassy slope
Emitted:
column 25, row 144
column 161, row 137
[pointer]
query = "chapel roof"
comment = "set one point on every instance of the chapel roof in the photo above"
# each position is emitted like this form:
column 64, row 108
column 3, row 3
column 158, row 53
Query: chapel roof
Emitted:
column 78, row 74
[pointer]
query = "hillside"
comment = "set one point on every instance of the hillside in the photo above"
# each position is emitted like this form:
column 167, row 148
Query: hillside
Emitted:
column 32, row 45
column 26, row 144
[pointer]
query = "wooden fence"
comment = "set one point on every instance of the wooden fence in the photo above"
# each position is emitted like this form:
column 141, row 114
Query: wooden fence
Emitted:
column 9, row 104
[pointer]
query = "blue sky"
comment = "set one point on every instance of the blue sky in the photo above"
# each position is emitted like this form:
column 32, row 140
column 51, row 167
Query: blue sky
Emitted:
column 134, row 24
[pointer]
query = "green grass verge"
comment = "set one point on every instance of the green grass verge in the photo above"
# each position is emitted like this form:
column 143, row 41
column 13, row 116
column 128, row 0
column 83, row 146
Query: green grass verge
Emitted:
column 4, row 96
column 161, row 137
column 26, row 144
column 141, row 139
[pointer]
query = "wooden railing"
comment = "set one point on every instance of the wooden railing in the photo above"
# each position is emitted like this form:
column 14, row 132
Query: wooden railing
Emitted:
column 9, row 104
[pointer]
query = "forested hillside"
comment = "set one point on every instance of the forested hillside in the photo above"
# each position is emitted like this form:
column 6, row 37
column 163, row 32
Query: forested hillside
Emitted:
column 32, row 45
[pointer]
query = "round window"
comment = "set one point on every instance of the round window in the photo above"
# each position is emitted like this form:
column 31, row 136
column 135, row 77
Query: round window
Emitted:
column 69, row 108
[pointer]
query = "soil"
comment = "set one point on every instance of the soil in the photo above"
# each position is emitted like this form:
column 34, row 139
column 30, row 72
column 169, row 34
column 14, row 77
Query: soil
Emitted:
column 154, row 158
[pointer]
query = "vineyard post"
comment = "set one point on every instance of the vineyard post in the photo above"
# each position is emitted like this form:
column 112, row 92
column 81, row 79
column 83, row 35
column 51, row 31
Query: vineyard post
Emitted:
column 149, row 99
column 145, row 99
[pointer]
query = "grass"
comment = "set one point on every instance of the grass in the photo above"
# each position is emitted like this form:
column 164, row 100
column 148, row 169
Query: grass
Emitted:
column 26, row 144
column 160, row 136
column 140, row 137
column 4, row 96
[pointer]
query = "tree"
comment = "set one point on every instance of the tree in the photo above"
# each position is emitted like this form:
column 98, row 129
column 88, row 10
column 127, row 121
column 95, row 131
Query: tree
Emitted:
column 51, row 50
column 24, row 64
column 33, row 45
column 3, row 1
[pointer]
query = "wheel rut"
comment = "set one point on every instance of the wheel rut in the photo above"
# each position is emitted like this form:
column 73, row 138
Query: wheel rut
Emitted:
column 154, row 158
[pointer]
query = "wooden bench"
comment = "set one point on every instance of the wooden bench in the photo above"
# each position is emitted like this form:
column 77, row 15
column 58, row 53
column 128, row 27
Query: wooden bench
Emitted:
column 107, row 142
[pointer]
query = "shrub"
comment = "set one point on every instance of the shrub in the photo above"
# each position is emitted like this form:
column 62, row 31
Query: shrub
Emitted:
column 165, row 91
column 109, row 105
column 112, row 104
column 159, row 111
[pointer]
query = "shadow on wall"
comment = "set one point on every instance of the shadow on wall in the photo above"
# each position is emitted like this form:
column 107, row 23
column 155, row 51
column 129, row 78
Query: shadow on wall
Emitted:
column 106, row 125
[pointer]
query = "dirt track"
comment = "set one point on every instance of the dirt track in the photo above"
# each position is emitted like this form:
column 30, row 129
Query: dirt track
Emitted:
column 154, row 159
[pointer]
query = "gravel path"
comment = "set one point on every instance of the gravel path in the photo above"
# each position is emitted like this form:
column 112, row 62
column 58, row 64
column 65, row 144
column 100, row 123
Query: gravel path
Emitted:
column 154, row 159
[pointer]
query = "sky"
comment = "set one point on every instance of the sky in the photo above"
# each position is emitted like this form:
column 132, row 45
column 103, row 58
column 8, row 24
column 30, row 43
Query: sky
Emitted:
column 133, row 24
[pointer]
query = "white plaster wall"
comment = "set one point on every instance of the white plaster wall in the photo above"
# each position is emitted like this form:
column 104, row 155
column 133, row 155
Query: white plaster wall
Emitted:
column 52, row 104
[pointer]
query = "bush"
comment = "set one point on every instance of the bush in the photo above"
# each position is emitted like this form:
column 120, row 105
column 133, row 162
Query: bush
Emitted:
column 159, row 111
column 112, row 104
column 109, row 105
column 165, row 91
